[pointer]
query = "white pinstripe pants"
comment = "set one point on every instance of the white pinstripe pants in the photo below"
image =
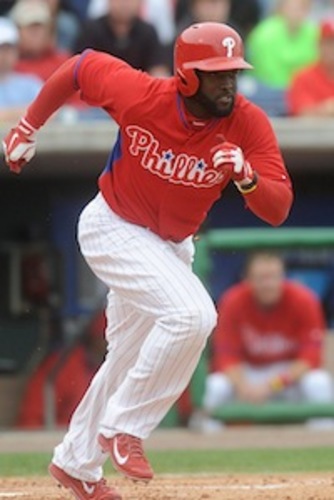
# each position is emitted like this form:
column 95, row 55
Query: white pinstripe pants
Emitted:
column 159, row 318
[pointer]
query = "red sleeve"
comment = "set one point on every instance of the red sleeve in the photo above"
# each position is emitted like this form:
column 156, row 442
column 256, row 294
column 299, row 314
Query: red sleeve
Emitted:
column 110, row 83
column 311, row 329
column 103, row 81
column 54, row 93
column 272, row 199
column 300, row 95
column 226, row 342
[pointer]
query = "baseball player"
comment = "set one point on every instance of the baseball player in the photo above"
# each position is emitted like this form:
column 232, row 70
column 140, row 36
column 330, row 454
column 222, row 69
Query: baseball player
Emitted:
column 268, row 344
column 181, row 141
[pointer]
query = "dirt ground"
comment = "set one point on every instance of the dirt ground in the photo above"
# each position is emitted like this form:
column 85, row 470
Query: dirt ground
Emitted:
column 229, row 487
column 186, row 487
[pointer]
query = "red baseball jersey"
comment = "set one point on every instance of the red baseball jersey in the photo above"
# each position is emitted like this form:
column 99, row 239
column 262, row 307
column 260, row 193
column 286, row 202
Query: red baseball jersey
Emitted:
column 248, row 333
column 160, row 174
column 310, row 87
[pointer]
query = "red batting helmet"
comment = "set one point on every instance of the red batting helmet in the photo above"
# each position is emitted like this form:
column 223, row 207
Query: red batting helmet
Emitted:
column 207, row 47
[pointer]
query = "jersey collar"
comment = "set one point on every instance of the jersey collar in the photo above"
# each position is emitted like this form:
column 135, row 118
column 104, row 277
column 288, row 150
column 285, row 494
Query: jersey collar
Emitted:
column 191, row 122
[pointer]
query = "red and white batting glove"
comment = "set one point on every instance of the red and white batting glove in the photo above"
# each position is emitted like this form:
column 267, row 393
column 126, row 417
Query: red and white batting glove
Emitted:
column 231, row 158
column 19, row 146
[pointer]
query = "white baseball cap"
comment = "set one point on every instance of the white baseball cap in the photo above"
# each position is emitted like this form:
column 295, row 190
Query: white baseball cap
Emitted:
column 26, row 12
column 8, row 32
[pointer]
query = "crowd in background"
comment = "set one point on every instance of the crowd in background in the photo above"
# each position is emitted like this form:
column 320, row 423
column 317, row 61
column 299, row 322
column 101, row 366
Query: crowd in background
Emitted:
column 289, row 42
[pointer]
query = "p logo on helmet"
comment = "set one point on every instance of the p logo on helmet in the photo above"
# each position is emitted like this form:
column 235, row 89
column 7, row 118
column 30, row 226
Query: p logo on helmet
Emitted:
column 229, row 43
column 206, row 47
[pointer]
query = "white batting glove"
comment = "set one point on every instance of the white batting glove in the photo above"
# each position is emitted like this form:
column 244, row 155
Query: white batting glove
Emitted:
column 19, row 146
column 231, row 158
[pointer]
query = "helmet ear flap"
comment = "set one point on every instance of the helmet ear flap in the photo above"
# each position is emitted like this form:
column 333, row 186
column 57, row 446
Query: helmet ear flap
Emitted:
column 187, row 82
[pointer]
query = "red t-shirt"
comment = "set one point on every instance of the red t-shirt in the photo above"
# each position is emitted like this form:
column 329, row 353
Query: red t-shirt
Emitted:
column 43, row 66
column 160, row 174
column 247, row 333
column 310, row 87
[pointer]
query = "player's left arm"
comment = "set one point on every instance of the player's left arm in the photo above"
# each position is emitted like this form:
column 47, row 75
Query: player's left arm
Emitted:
column 257, row 169
column 102, row 80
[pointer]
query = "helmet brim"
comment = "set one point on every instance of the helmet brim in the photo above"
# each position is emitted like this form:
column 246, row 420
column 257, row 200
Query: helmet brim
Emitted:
column 218, row 64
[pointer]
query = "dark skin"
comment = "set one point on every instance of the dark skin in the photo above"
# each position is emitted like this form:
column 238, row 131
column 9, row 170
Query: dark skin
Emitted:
column 215, row 98
column 216, row 94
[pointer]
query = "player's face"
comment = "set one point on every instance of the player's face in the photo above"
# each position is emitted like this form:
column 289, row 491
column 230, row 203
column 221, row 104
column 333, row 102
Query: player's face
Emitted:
column 266, row 278
column 216, row 93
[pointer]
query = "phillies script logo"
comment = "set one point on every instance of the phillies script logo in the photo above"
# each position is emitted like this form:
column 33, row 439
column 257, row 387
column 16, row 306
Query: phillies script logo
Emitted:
column 179, row 169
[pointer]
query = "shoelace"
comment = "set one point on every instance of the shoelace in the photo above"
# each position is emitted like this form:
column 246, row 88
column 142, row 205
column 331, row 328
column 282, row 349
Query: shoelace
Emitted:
column 137, row 448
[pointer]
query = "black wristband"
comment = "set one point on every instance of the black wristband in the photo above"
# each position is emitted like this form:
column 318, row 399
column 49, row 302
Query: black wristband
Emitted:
column 250, row 187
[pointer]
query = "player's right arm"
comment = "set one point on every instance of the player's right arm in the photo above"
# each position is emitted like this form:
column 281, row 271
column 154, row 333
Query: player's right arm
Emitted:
column 19, row 145
column 102, row 80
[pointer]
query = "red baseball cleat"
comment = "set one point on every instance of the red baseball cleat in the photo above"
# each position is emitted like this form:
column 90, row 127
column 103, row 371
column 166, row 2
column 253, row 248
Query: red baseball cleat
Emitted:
column 83, row 490
column 127, row 456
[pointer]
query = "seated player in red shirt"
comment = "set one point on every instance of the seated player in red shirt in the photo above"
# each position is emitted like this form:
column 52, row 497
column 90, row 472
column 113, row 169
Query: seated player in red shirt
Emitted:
column 267, row 344
column 312, row 90
column 70, row 383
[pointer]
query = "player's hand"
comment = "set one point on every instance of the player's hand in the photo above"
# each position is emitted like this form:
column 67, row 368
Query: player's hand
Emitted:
column 231, row 159
column 255, row 394
column 19, row 146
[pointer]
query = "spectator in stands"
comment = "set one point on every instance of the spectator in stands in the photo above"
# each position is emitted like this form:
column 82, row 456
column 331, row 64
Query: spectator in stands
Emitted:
column 16, row 91
column 283, row 43
column 38, row 52
column 268, row 343
column 71, row 382
column 312, row 89
column 242, row 14
column 122, row 33
column 159, row 13
column 199, row 11
column 66, row 25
